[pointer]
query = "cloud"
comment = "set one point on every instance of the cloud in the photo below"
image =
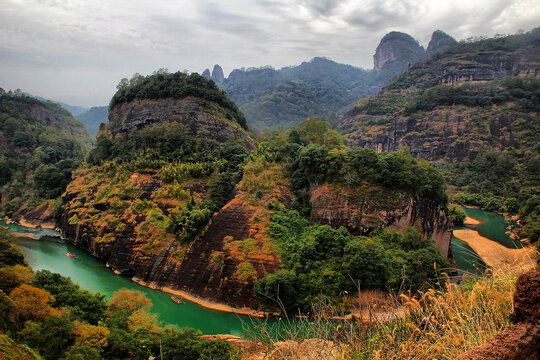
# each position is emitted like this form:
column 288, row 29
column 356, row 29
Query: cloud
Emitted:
column 78, row 50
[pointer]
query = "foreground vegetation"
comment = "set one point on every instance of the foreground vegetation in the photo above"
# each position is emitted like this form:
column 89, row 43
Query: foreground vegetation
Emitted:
column 439, row 323
column 46, row 315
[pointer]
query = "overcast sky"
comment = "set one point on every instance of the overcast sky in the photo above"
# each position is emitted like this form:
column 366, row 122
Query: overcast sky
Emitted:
column 76, row 51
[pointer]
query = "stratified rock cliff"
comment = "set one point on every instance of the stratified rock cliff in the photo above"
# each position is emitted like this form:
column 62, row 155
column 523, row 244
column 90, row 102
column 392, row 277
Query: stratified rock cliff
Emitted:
column 361, row 210
column 196, row 114
column 456, row 120
column 396, row 51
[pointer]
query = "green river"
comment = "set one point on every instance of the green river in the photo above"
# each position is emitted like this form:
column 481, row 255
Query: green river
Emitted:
column 493, row 227
column 49, row 253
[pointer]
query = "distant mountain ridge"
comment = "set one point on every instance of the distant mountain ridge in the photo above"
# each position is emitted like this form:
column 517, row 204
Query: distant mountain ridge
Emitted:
column 320, row 87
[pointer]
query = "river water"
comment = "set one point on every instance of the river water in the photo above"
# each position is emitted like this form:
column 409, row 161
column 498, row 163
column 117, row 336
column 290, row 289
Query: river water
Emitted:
column 49, row 253
column 493, row 226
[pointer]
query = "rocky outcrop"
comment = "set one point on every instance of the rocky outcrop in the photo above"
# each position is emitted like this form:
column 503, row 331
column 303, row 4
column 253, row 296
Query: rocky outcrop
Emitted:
column 362, row 210
column 454, row 133
column 396, row 51
column 218, row 266
column 196, row 114
column 206, row 74
column 439, row 41
column 217, row 74
column 520, row 341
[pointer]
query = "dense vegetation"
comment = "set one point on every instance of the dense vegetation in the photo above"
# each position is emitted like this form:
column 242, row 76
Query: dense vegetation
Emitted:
column 285, row 97
column 181, row 170
column 40, row 145
column 53, row 317
column 319, row 262
column 162, row 85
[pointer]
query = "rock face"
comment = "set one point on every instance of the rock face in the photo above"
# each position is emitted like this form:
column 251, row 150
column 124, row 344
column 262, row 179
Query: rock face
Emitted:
column 206, row 74
column 455, row 133
column 188, row 111
column 219, row 266
column 362, row 210
column 397, row 50
column 217, row 74
column 439, row 41
column 520, row 341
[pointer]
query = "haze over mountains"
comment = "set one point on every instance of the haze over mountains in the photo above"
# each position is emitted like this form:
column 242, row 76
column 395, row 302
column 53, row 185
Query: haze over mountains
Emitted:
column 320, row 87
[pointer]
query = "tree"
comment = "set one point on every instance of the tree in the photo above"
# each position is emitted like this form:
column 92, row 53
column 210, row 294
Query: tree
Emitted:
column 91, row 335
column 13, row 276
column 30, row 303
column 129, row 300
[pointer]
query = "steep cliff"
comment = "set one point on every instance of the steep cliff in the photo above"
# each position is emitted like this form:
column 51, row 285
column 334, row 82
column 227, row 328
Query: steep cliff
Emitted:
column 217, row 74
column 197, row 115
column 396, row 51
column 129, row 232
column 363, row 209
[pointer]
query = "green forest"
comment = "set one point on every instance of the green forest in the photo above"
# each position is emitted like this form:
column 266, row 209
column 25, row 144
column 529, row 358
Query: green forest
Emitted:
column 45, row 315
column 37, row 155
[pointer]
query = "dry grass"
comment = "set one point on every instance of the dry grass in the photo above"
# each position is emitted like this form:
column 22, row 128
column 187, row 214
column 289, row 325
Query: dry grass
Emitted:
column 437, row 324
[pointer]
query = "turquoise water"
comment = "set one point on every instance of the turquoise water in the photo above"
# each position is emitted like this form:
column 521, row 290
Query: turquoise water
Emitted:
column 493, row 227
column 49, row 254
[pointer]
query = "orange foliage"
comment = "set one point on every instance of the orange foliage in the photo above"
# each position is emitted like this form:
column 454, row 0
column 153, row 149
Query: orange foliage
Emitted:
column 31, row 303
column 143, row 319
column 13, row 276
column 129, row 300
column 90, row 335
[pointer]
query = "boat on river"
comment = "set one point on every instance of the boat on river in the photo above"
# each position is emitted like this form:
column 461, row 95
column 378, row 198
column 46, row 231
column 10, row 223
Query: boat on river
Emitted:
column 176, row 300
column 68, row 254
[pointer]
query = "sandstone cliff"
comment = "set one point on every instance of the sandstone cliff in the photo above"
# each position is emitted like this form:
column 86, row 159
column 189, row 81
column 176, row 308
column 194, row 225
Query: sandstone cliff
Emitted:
column 361, row 210
column 455, row 133
column 396, row 51
column 199, row 116
column 219, row 266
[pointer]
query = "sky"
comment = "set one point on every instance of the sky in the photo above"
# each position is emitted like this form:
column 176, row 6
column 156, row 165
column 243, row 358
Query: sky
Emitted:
column 76, row 51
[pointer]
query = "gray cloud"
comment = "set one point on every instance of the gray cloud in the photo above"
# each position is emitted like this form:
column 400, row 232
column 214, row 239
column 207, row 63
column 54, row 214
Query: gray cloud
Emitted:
column 76, row 51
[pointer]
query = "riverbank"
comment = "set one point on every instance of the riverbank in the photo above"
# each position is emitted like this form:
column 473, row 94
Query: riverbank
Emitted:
column 496, row 255
column 203, row 302
column 471, row 221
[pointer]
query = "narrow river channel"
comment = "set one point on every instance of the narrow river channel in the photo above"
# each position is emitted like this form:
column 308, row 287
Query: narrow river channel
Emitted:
column 49, row 253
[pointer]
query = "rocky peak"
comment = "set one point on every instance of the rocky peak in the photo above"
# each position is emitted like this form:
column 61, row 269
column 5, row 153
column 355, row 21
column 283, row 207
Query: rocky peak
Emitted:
column 397, row 50
column 206, row 73
column 217, row 74
column 439, row 41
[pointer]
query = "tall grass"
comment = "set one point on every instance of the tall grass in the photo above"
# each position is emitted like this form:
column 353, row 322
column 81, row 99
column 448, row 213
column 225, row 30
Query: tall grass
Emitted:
column 436, row 324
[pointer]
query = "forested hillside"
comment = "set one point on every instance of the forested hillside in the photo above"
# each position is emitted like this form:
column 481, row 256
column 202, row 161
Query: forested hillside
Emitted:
column 177, row 195
column 40, row 145
column 472, row 109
